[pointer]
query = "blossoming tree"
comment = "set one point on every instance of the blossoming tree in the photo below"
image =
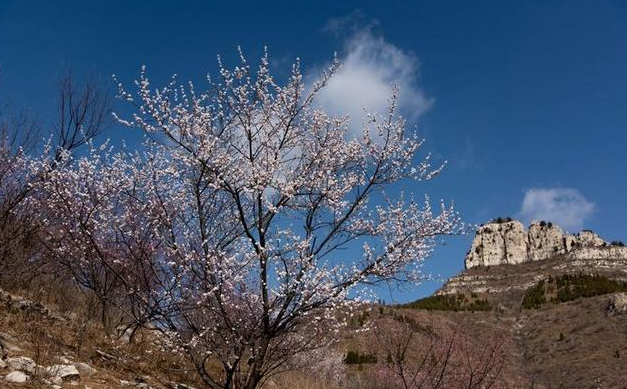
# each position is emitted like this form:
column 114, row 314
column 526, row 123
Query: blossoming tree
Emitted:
column 245, row 229
column 84, row 111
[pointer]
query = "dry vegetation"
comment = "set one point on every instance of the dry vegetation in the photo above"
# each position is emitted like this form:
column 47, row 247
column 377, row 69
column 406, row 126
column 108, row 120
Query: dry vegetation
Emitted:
column 63, row 324
column 574, row 343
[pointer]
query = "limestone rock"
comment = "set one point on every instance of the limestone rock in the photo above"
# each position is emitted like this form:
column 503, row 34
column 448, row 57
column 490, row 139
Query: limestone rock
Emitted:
column 65, row 372
column 84, row 368
column 179, row 385
column 505, row 241
column 545, row 240
column 23, row 364
column 8, row 343
column 16, row 377
column 617, row 304
column 497, row 243
column 588, row 238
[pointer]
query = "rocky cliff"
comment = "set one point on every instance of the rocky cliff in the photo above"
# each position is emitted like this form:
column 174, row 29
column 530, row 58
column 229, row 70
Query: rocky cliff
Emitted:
column 505, row 241
column 540, row 251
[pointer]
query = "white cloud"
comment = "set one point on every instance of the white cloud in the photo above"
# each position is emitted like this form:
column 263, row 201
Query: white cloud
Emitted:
column 370, row 67
column 566, row 207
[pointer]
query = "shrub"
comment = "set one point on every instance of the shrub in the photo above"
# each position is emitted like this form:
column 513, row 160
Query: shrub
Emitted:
column 534, row 297
column 570, row 287
column 357, row 358
column 453, row 302
column 573, row 286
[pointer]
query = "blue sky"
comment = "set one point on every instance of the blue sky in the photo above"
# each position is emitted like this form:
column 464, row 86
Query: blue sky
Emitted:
column 526, row 100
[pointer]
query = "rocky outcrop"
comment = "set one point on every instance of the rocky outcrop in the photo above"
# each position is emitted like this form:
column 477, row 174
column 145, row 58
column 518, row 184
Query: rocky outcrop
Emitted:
column 498, row 243
column 545, row 240
column 19, row 303
column 610, row 262
column 505, row 241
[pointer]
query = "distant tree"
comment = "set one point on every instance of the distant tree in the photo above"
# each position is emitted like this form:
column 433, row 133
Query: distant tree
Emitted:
column 228, row 231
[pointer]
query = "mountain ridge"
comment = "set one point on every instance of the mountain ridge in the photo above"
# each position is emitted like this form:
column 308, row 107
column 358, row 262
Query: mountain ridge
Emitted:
column 506, row 241
column 506, row 259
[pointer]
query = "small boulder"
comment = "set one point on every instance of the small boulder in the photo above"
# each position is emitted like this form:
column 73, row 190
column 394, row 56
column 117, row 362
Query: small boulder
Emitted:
column 17, row 377
column 84, row 369
column 56, row 380
column 8, row 343
column 617, row 304
column 183, row 386
column 65, row 372
column 23, row 364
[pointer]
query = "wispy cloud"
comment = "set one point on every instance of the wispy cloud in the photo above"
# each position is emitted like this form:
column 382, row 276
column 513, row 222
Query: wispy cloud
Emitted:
column 370, row 67
column 566, row 207
column 467, row 159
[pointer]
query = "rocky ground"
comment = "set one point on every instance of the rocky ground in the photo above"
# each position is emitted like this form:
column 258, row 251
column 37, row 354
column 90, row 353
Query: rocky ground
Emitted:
column 38, row 349
column 578, row 344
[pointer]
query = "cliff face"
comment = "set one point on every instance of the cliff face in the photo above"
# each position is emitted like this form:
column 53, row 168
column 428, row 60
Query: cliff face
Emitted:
column 542, row 250
column 507, row 242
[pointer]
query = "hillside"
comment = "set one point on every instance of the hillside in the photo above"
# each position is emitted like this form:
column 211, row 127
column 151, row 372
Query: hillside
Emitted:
column 505, row 260
column 566, row 310
column 557, row 322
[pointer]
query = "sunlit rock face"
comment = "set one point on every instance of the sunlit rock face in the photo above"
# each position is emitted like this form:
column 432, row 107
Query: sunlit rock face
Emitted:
column 498, row 243
column 505, row 241
column 588, row 238
column 544, row 241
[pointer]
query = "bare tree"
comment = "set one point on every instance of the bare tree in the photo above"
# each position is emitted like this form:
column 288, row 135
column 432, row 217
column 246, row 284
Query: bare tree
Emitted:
column 84, row 112
column 426, row 357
